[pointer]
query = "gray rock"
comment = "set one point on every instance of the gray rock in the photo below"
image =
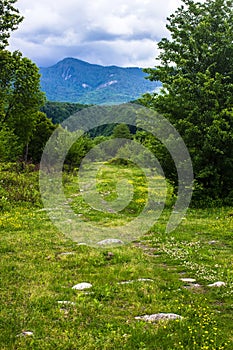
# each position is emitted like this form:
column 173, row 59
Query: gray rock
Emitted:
column 25, row 334
column 145, row 280
column 82, row 286
column 217, row 284
column 212, row 242
column 110, row 241
column 126, row 282
column 158, row 317
column 188, row 280
column 65, row 302
column 67, row 253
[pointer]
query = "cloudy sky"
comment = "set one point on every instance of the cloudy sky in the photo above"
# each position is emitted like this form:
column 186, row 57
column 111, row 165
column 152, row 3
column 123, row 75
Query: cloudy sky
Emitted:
column 118, row 32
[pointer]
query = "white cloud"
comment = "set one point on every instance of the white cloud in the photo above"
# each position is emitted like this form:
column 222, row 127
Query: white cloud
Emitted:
column 120, row 32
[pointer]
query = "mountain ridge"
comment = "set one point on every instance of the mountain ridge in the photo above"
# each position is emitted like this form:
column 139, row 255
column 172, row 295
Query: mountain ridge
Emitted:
column 74, row 80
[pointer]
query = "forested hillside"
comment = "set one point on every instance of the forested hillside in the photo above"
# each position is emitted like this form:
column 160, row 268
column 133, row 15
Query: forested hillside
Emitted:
column 73, row 80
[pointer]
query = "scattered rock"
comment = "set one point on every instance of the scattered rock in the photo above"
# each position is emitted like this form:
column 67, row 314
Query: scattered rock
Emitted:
column 188, row 280
column 126, row 282
column 212, row 242
column 158, row 317
column 67, row 253
column 217, row 284
column 82, row 286
column 145, row 280
column 65, row 302
column 82, row 243
column 25, row 334
column 193, row 286
column 110, row 241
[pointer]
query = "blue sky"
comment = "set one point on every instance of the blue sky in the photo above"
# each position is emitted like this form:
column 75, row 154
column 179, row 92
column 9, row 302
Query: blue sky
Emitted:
column 118, row 32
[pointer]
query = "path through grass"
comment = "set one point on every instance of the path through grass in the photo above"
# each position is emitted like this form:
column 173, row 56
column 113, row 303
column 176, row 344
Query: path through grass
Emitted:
column 36, row 275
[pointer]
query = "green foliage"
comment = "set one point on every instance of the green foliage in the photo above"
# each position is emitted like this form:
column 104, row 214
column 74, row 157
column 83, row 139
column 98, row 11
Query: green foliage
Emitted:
column 60, row 111
column 39, row 266
column 9, row 20
column 102, row 130
column 20, row 95
column 197, row 97
column 78, row 151
column 162, row 154
column 10, row 149
column 18, row 184
column 121, row 131
column 42, row 131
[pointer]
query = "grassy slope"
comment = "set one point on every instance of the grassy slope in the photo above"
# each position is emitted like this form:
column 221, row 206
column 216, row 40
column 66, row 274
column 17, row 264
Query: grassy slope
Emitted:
column 35, row 276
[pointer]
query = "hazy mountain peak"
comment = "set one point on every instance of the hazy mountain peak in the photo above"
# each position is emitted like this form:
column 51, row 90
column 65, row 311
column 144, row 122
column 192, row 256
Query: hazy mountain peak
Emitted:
column 74, row 80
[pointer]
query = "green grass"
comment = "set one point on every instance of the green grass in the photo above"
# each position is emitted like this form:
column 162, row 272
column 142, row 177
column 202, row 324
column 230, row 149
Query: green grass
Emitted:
column 35, row 276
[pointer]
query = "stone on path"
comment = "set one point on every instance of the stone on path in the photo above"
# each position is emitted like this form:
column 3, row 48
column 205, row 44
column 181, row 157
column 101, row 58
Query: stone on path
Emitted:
column 191, row 283
column 212, row 242
column 110, row 241
column 188, row 280
column 82, row 286
column 67, row 253
column 66, row 302
column 158, row 317
column 145, row 280
column 217, row 284
column 25, row 334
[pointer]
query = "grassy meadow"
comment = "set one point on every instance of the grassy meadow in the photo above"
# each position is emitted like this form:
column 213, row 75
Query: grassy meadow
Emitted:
column 40, row 265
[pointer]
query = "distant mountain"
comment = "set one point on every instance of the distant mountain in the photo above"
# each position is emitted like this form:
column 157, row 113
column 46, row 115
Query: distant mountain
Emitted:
column 73, row 80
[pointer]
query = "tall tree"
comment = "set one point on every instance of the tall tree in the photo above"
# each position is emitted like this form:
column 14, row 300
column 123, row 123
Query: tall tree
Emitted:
column 43, row 130
column 20, row 95
column 121, row 131
column 196, row 70
column 9, row 20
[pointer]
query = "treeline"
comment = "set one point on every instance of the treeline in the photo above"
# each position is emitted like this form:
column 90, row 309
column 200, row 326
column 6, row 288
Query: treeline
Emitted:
column 26, row 119
column 60, row 111
column 20, row 96
column 196, row 70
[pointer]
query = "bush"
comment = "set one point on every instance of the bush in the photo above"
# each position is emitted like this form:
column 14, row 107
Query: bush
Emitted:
column 18, row 183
